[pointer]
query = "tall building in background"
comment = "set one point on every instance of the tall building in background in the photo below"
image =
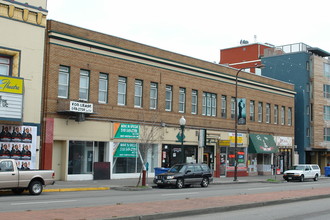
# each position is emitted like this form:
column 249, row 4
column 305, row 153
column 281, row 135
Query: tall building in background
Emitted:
column 308, row 68
column 22, row 25
column 244, row 56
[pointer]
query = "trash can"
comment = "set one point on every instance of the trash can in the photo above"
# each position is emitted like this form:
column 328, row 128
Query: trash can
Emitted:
column 327, row 171
column 159, row 170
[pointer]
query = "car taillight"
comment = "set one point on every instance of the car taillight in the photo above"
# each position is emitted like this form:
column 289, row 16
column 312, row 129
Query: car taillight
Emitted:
column 53, row 176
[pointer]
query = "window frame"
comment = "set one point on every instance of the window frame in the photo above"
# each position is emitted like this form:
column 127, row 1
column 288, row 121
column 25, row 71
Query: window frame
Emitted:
column 153, row 99
column 5, row 64
column 194, row 102
column 138, row 93
column 260, row 112
column 103, row 78
column 252, row 110
column 84, row 74
column 67, row 85
column 232, row 107
column 326, row 70
column 276, row 114
column 168, row 98
column 326, row 134
column 282, row 115
column 289, row 116
column 223, row 106
column 182, row 100
column 326, row 112
column 122, row 91
column 268, row 113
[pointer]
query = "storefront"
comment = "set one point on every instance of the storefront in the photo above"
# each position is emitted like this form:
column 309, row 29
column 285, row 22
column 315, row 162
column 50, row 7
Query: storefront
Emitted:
column 283, row 159
column 261, row 154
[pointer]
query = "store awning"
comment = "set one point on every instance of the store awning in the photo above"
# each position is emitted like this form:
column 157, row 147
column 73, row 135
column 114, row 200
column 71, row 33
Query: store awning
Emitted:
column 262, row 144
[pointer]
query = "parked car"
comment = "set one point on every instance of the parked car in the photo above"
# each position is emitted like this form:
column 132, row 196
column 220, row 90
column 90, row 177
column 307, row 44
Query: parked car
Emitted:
column 181, row 175
column 302, row 172
column 19, row 180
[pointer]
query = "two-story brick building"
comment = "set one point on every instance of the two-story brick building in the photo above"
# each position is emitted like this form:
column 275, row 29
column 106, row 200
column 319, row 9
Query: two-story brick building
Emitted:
column 113, row 101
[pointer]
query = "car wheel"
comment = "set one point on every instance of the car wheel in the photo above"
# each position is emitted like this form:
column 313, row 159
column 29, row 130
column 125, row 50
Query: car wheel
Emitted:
column 302, row 178
column 205, row 182
column 179, row 183
column 316, row 178
column 35, row 188
column 17, row 191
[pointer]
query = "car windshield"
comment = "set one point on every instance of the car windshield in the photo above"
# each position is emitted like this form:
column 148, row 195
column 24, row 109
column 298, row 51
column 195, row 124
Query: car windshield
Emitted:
column 298, row 167
column 177, row 169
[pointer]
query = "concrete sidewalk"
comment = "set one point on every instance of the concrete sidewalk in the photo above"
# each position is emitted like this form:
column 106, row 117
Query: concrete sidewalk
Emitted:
column 61, row 186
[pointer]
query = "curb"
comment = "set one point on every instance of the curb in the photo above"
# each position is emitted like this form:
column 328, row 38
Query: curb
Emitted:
column 219, row 209
column 76, row 189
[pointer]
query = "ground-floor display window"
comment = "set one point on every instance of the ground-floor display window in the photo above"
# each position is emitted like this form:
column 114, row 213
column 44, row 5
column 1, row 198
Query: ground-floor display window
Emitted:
column 82, row 155
column 172, row 154
column 130, row 157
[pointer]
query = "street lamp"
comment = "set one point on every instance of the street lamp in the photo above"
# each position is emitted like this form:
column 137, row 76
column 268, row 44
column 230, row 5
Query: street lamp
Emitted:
column 236, row 119
column 182, row 125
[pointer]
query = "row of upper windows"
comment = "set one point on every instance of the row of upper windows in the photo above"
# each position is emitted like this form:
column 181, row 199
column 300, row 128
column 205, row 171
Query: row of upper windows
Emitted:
column 209, row 100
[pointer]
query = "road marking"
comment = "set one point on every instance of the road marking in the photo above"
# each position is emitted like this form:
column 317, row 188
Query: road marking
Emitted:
column 32, row 203
column 179, row 194
column 259, row 188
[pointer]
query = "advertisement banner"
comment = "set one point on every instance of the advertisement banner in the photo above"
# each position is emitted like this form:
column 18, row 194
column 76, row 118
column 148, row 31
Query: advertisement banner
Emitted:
column 126, row 150
column 129, row 131
column 19, row 143
column 239, row 139
column 241, row 115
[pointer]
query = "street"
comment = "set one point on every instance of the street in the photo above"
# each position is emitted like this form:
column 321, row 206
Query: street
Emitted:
column 58, row 200
column 308, row 210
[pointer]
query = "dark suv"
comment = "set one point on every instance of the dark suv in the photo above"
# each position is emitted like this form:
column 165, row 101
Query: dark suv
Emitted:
column 181, row 175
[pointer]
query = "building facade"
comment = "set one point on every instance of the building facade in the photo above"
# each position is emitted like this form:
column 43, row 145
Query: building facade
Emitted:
column 308, row 68
column 113, row 105
column 244, row 56
column 22, row 27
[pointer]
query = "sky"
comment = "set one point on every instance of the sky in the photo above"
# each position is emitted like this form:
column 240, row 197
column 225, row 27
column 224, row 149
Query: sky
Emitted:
column 200, row 28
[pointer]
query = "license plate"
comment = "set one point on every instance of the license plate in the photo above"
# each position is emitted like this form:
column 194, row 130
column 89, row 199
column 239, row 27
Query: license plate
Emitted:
column 289, row 178
column 159, row 181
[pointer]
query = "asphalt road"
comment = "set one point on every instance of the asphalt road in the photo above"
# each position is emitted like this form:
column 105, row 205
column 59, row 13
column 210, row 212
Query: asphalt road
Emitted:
column 54, row 200
column 307, row 210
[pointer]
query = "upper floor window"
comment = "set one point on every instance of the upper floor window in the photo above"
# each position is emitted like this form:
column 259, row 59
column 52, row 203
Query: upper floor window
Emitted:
column 138, row 93
column 260, row 109
column 103, row 88
column 252, row 113
column 327, row 70
column 275, row 114
column 223, row 106
column 326, row 91
column 326, row 111
column 168, row 99
column 153, row 95
column 326, row 134
column 194, row 102
column 84, row 85
column 282, row 115
column 122, row 83
column 267, row 113
column 232, row 108
column 182, row 100
column 209, row 104
column 289, row 116
column 63, row 82
column 5, row 64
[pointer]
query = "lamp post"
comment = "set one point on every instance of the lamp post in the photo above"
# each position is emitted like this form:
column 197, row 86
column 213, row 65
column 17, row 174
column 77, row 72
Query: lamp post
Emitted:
column 182, row 125
column 236, row 119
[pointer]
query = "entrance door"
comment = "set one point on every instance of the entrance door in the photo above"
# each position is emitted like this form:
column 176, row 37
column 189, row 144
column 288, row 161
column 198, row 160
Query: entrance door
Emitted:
column 57, row 162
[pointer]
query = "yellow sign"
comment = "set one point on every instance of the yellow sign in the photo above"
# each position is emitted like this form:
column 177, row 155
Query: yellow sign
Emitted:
column 224, row 143
column 239, row 138
column 11, row 85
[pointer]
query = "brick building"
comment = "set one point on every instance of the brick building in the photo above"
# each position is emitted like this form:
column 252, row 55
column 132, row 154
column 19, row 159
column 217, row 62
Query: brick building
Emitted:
column 116, row 104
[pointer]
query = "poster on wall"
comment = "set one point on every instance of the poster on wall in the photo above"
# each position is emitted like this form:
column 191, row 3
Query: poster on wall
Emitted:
column 19, row 143
column 241, row 116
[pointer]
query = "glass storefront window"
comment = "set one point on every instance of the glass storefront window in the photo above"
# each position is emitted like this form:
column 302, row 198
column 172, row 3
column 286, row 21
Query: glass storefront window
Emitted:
column 240, row 156
column 124, row 164
column 82, row 155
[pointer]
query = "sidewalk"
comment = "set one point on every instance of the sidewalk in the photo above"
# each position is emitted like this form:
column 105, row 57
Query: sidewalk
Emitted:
column 168, row 209
column 117, row 183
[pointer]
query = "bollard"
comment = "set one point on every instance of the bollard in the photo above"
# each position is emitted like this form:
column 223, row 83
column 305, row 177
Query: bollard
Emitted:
column 144, row 177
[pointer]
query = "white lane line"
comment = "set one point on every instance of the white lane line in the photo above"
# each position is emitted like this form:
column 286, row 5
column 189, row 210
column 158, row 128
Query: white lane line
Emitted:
column 47, row 202
column 179, row 194
column 259, row 188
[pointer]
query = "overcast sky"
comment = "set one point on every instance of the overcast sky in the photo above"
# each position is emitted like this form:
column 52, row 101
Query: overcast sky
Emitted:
column 200, row 28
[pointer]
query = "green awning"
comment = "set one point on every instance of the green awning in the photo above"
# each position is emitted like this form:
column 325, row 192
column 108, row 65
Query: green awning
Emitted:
column 262, row 144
